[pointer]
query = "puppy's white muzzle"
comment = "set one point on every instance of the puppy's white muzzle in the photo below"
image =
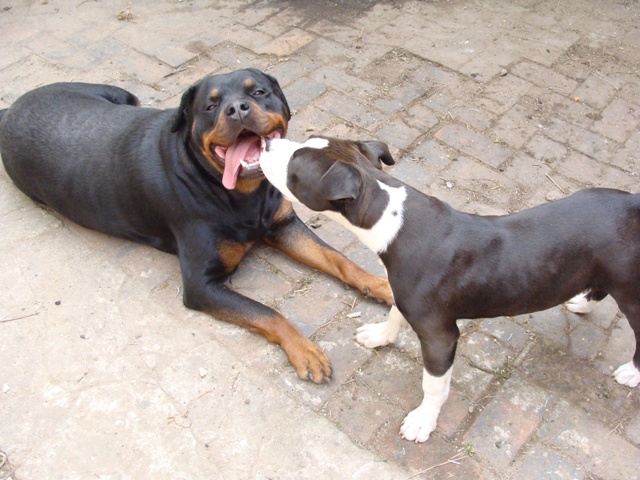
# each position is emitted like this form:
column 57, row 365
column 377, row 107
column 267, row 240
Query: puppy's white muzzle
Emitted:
column 274, row 162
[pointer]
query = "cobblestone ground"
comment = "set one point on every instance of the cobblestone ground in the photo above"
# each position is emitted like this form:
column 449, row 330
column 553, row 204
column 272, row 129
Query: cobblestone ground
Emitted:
column 491, row 106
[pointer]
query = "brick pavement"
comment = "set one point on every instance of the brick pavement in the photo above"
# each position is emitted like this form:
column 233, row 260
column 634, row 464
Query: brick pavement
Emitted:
column 490, row 106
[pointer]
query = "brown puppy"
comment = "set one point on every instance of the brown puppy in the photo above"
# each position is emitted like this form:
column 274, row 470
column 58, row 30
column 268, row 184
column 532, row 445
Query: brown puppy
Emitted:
column 185, row 181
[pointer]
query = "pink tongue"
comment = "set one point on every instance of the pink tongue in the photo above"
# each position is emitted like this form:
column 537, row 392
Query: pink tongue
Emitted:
column 244, row 149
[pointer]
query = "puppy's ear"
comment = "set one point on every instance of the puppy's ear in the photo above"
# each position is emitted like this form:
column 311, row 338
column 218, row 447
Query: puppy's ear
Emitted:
column 376, row 152
column 183, row 110
column 340, row 182
column 276, row 89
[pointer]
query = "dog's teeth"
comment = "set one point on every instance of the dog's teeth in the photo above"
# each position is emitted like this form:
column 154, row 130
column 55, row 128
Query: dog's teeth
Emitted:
column 249, row 166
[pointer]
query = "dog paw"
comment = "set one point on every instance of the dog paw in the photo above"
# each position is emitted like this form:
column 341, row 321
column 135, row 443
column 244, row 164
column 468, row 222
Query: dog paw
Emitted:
column 309, row 362
column 381, row 290
column 628, row 375
column 376, row 334
column 580, row 303
column 419, row 423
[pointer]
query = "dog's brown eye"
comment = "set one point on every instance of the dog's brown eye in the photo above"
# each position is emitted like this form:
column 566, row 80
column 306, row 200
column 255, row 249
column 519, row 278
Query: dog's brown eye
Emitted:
column 213, row 105
column 257, row 93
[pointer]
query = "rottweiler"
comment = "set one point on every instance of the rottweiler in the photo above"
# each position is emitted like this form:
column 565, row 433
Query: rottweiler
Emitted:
column 185, row 180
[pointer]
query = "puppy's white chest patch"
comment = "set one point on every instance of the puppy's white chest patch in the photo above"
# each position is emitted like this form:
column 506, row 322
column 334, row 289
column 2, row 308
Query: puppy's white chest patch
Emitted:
column 385, row 230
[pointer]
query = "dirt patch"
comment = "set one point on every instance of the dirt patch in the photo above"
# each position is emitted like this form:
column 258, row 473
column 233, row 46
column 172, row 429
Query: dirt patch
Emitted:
column 334, row 10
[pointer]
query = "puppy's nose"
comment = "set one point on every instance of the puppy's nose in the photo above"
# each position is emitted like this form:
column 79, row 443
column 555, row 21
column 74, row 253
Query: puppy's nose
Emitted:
column 237, row 110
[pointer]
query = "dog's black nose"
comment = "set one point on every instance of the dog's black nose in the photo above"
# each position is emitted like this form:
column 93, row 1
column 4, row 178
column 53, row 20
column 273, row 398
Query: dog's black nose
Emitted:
column 237, row 109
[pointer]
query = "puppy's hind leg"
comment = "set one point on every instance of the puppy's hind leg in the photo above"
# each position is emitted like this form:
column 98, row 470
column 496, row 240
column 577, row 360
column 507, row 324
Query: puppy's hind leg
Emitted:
column 379, row 334
column 629, row 373
column 585, row 301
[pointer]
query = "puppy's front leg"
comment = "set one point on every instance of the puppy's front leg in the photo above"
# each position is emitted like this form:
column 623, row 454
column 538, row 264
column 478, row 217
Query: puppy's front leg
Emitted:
column 419, row 423
column 375, row 335
column 438, row 339
column 294, row 238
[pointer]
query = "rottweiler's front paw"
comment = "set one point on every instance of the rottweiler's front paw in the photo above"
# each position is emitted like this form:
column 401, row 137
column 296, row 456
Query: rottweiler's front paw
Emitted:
column 380, row 289
column 309, row 362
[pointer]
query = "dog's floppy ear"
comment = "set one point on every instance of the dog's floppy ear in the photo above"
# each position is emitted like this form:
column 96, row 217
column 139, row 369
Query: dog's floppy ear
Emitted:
column 340, row 182
column 183, row 110
column 276, row 89
column 376, row 152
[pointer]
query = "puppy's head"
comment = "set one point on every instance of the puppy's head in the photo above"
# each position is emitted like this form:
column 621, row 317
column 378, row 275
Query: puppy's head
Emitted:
column 225, row 117
column 323, row 173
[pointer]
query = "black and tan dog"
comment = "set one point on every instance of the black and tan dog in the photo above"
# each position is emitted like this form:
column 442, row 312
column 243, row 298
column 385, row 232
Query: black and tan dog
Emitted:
column 185, row 181
column 445, row 265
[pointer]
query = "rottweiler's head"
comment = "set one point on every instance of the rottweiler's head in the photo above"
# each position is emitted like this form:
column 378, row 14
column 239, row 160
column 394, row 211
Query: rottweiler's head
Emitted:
column 225, row 118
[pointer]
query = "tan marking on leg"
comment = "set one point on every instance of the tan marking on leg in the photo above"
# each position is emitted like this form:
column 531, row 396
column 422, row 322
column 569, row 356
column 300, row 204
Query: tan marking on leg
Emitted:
column 232, row 253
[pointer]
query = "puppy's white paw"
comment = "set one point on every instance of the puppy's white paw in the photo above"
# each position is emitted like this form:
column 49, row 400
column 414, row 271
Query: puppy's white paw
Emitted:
column 419, row 423
column 580, row 303
column 628, row 375
column 376, row 334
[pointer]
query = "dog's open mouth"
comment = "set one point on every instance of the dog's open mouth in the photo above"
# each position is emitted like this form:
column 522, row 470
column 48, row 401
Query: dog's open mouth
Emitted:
column 241, row 159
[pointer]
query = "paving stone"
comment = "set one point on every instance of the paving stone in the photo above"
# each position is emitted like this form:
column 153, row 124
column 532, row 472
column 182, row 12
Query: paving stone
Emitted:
column 581, row 168
column 626, row 157
column 360, row 410
column 26, row 75
column 503, row 428
column 430, row 461
column 346, row 358
column 507, row 331
column 545, row 149
column 548, row 465
column 328, row 53
column 544, row 77
column 630, row 92
column 280, row 23
column 584, row 440
column 586, row 339
column 349, row 109
column 485, row 352
column 352, row 86
column 420, row 117
column 474, row 144
column 580, row 139
column 618, row 121
column 552, row 323
column 595, row 91
column 633, row 429
column 310, row 120
column 516, row 126
column 413, row 172
column 314, row 303
column 478, row 183
column 286, row 44
column 303, row 92
column 562, row 376
column 502, row 93
column 398, row 134
column 619, row 348
column 255, row 280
